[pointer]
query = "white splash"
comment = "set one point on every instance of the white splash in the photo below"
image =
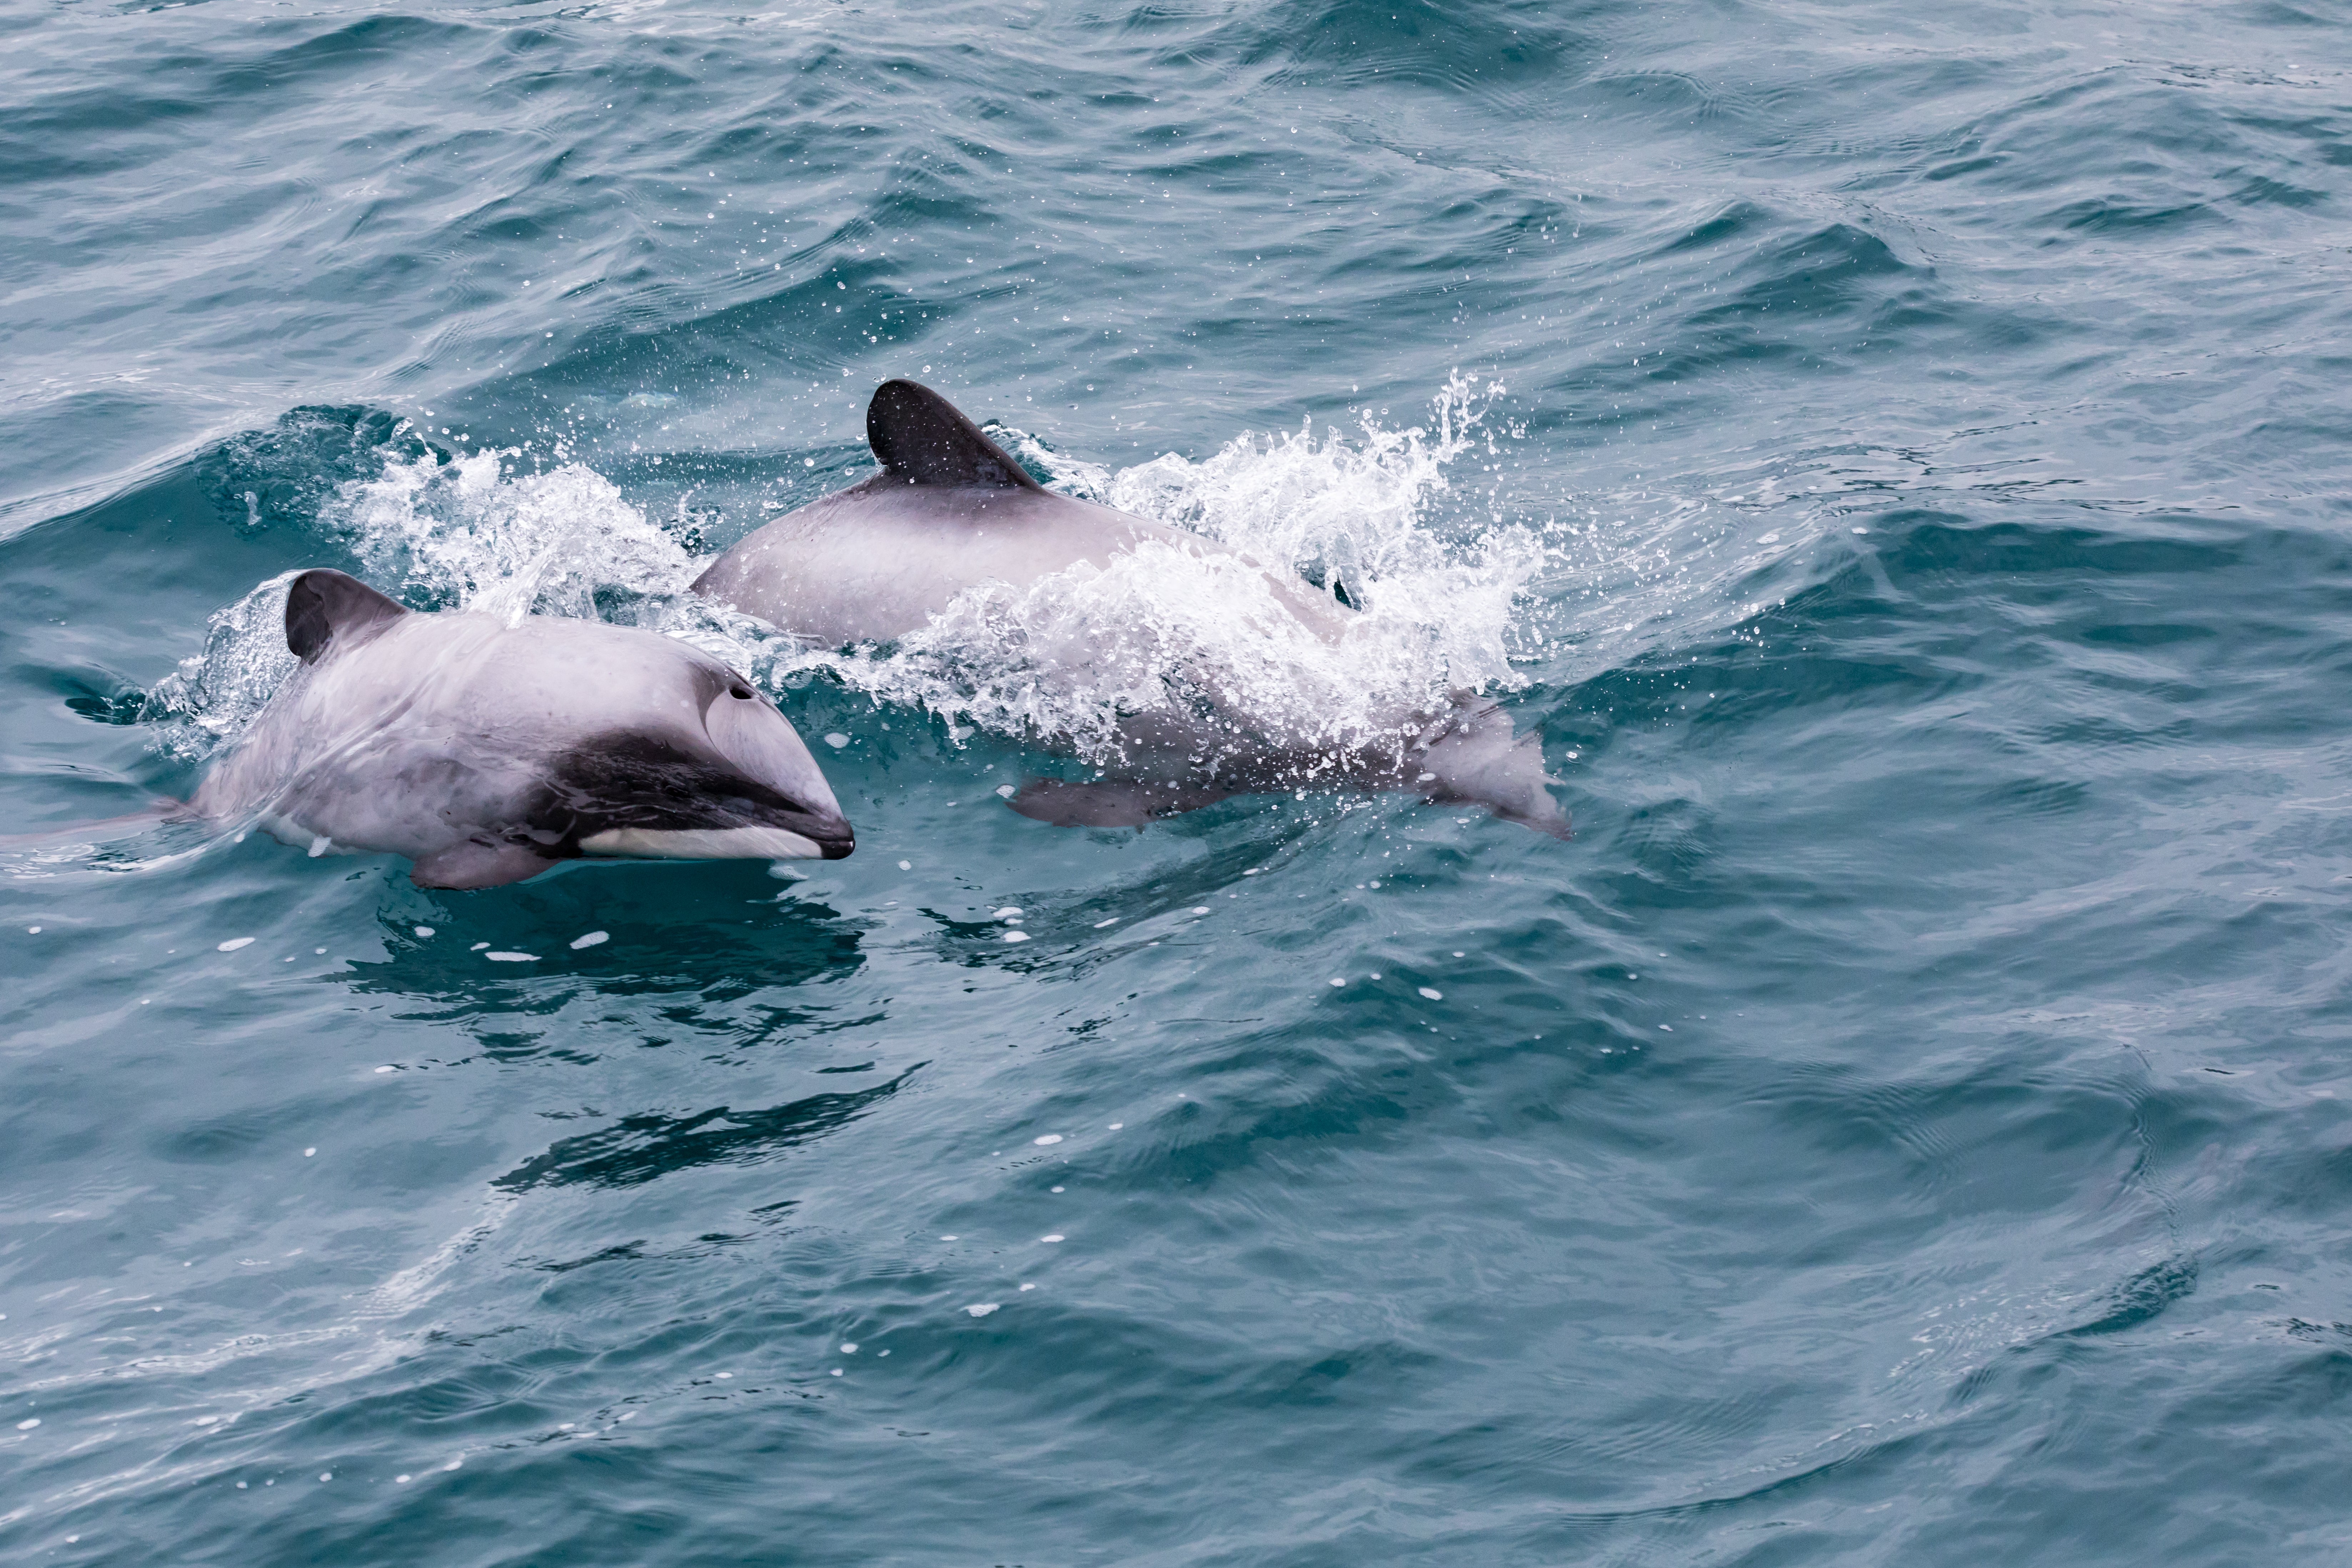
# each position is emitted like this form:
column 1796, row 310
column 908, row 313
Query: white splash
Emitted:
column 477, row 534
column 1078, row 654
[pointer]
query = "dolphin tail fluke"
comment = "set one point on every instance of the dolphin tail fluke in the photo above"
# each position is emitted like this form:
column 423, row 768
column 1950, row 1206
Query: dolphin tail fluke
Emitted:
column 1481, row 761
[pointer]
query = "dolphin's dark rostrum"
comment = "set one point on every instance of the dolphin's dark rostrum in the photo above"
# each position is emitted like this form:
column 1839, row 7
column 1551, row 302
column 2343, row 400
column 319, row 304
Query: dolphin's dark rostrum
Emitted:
column 487, row 752
column 950, row 509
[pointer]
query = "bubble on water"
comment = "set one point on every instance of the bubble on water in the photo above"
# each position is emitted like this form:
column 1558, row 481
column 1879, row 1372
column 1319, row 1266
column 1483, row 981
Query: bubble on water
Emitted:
column 235, row 943
column 837, row 740
column 29, row 1425
column 594, row 939
column 1432, row 993
column 1009, row 913
column 981, row 1308
column 309, row 1153
column 850, row 1349
column 1049, row 1138
column 477, row 947
column 1117, row 1125
column 906, row 865
column 1199, row 909
column 1338, row 982
column 397, row 1481
column 1016, row 936
column 1051, row 1239
column 1112, row 922
column 424, row 931
column 511, row 957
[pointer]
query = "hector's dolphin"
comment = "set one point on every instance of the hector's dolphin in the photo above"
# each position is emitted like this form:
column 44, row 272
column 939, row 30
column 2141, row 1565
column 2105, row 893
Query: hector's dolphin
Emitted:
column 486, row 752
column 951, row 510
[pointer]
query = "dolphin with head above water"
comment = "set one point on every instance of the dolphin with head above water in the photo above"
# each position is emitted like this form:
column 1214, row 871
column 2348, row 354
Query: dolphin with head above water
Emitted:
column 951, row 510
column 486, row 752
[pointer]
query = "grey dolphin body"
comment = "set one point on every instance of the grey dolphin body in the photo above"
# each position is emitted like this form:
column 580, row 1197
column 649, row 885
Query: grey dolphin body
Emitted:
column 950, row 509
column 486, row 752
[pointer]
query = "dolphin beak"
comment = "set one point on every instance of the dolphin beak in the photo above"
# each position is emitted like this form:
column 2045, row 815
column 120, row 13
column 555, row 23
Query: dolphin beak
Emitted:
column 838, row 844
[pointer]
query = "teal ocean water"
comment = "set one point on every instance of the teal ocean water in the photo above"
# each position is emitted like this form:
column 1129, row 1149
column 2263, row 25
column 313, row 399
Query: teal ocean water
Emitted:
column 1899, row 458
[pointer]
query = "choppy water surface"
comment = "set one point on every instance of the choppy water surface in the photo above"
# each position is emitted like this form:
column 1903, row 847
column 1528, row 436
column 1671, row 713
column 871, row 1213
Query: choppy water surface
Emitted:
column 1897, row 457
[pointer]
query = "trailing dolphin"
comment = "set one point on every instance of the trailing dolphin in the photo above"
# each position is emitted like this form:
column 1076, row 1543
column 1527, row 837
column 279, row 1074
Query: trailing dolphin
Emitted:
column 950, row 511
column 486, row 752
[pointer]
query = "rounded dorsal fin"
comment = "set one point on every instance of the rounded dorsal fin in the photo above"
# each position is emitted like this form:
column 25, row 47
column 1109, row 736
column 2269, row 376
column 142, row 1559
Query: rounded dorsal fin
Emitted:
column 922, row 439
column 325, row 606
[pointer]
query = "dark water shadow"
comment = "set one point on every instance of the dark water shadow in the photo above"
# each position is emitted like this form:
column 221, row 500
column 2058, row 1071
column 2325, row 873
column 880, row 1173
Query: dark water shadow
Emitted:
column 713, row 951
column 646, row 1147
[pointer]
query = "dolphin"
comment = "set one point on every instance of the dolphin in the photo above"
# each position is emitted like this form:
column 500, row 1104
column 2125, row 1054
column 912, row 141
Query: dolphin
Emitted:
column 487, row 752
column 950, row 509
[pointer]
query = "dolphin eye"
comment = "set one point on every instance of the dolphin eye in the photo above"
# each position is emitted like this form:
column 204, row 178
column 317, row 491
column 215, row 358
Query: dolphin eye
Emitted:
column 740, row 691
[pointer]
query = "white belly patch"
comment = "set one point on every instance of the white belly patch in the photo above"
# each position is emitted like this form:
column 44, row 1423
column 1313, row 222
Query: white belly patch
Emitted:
column 703, row 843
